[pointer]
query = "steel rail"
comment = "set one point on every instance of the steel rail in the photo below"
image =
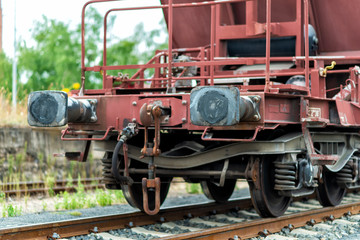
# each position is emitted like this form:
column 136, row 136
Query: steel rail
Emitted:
column 272, row 225
column 41, row 186
column 56, row 190
column 104, row 223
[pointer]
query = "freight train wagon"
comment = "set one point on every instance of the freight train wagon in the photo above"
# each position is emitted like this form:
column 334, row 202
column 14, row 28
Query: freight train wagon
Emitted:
column 262, row 90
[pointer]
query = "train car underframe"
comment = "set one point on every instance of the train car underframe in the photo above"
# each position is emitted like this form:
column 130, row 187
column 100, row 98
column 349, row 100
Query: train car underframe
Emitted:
column 276, row 169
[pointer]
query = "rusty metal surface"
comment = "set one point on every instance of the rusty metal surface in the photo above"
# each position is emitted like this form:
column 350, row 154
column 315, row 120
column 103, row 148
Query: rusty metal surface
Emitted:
column 154, row 184
column 105, row 223
column 252, row 229
column 327, row 18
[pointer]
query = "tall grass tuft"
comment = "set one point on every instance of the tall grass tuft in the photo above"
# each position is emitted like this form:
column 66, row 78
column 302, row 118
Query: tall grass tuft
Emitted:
column 9, row 117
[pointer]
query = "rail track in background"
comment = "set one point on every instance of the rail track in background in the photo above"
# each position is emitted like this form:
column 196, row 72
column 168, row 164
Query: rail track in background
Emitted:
column 242, row 221
column 41, row 187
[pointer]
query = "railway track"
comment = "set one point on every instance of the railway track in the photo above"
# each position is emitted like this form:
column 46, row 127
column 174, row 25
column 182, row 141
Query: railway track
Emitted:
column 37, row 187
column 235, row 220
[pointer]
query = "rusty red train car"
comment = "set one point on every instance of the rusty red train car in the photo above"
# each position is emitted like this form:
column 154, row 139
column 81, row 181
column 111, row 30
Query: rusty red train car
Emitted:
column 262, row 90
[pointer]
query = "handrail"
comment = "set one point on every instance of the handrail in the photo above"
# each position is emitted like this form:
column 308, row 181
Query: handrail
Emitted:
column 257, row 129
column 211, row 62
column 68, row 131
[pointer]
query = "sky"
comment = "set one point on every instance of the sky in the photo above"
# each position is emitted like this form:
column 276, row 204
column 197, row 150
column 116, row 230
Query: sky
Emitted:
column 28, row 12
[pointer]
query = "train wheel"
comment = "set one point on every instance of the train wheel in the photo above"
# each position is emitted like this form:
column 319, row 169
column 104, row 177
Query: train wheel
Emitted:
column 329, row 193
column 267, row 201
column 219, row 194
column 133, row 194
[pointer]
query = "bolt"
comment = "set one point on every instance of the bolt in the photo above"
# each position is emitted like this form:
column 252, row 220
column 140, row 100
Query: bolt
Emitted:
column 256, row 118
column 130, row 225
column 94, row 230
column 184, row 102
column 213, row 212
column 236, row 237
column 189, row 215
column 162, row 219
column 312, row 222
column 290, row 227
column 183, row 120
column 55, row 236
column 330, row 218
column 264, row 233
column 133, row 120
column 134, row 103
column 348, row 214
column 256, row 99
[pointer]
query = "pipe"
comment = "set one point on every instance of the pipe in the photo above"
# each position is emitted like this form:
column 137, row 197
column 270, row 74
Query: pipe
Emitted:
column 126, row 134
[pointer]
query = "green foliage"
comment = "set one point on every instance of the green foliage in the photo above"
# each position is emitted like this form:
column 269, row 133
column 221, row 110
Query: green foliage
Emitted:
column 81, row 200
column 103, row 198
column 193, row 188
column 119, row 196
column 44, row 206
column 5, row 72
column 69, row 180
column 11, row 211
column 54, row 61
column 2, row 197
column 75, row 213
column 50, row 184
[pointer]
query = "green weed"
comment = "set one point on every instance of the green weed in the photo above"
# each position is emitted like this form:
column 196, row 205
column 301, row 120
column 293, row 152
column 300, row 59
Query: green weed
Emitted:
column 11, row 211
column 193, row 188
column 103, row 198
column 75, row 213
column 2, row 197
column 50, row 184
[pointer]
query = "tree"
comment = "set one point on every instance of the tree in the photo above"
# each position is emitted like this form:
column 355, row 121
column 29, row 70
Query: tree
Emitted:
column 54, row 61
column 5, row 72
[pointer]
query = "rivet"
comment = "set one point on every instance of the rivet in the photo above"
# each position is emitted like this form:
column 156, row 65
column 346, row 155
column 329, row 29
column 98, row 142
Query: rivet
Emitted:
column 183, row 120
column 256, row 99
column 134, row 120
column 256, row 118
column 134, row 103
column 184, row 102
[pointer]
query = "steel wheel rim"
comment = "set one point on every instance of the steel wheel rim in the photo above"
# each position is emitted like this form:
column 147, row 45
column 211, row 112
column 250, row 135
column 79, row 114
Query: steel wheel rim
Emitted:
column 266, row 200
column 329, row 193
column 219, row 194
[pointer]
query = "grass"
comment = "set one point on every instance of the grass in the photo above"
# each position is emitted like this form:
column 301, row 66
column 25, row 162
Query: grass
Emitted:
column 75, row 213
column 79, row 199
column 14, row 167
column 20, row 167
column 193, row 188
column 9, row 117
column 9, row 210
column 50, row 184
